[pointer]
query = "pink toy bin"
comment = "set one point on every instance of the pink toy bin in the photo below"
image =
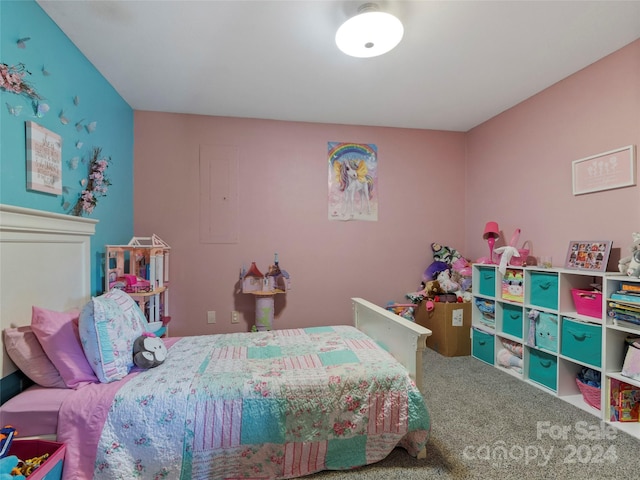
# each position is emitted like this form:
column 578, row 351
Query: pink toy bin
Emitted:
column 587, row 302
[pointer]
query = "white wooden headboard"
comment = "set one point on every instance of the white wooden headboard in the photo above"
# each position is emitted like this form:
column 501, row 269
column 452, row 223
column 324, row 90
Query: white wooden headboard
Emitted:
column 45, row 260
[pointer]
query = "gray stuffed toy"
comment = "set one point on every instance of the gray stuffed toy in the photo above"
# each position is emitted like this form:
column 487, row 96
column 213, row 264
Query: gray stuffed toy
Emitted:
column 148, row 351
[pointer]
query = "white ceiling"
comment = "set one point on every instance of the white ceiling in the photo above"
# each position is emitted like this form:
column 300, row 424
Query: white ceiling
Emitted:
column 459, row 63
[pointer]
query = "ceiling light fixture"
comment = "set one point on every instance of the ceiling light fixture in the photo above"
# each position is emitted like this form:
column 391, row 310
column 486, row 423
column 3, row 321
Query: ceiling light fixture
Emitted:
column 370, row 33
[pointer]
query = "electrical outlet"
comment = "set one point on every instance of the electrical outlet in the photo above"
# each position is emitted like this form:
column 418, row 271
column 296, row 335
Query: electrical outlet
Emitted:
column 235, row 316
column 211, row 316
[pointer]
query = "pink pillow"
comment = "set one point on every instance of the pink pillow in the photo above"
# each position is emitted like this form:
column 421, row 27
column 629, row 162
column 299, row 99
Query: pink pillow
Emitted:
column 57, row 332
column 26, row 352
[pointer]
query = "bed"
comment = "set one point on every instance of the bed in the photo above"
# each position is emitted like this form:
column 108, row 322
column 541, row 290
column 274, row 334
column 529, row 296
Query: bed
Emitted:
column 278, row 404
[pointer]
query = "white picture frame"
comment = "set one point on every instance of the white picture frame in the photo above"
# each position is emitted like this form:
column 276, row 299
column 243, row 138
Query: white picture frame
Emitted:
column 44, row 159
column 605, row 171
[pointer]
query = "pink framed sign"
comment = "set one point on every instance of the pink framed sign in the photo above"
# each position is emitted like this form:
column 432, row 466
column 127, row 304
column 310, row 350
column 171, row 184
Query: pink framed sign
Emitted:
column 605, row 171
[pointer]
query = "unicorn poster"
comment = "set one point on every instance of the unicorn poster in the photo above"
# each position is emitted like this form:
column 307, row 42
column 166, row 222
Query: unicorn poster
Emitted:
column 353, row 181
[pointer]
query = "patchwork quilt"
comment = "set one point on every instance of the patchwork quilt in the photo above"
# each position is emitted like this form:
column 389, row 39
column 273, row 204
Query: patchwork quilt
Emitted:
column 277, row 404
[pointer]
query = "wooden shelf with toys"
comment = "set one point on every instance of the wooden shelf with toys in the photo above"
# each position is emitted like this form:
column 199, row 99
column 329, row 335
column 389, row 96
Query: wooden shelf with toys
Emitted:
column 141, row 269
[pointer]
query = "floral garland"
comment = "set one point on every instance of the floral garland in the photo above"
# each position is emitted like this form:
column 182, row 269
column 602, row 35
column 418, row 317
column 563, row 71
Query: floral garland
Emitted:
column 96, row 184
column 12, row 80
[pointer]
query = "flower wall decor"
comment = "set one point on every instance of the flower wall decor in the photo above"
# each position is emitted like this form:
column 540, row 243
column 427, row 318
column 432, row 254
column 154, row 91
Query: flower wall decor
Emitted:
column 95, row 186
column 12, row 80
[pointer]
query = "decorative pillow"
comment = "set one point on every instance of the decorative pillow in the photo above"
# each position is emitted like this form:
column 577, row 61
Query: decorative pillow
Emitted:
column 109, row 324
column 26, row 352
column 57, row 332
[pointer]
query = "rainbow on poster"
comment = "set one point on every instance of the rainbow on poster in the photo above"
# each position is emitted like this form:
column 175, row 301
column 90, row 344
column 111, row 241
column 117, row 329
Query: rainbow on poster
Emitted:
column 353, row 181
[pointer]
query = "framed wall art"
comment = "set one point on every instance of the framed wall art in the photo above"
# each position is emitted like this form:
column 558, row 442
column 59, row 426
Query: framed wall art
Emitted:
column 605, row 171
column 44, row 160
column 588, row 255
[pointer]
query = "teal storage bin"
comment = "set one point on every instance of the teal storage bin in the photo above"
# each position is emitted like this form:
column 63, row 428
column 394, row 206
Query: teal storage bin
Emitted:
column 581, row 341
column 543, row 288
column 543, row 368
column 487, row 282
column 512, row 320
column 483, row 346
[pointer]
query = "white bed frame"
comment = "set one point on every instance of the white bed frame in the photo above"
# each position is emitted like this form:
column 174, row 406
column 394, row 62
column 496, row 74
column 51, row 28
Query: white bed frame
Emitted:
column 45, row 260
column 405, row 340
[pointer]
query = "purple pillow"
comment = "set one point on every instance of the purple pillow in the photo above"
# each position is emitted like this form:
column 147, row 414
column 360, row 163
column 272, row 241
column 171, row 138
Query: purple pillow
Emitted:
column 57, row 332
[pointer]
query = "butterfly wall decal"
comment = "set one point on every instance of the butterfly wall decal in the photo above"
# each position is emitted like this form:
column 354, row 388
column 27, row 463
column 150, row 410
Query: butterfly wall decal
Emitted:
column 91, row 127
column 39, row 109
column 22, row 42
column 76, row 100
column 15, row 111
column 64, row 120
column 45, row 72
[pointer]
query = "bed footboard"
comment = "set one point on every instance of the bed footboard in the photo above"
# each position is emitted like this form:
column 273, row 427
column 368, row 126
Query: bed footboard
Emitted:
column 404, row 339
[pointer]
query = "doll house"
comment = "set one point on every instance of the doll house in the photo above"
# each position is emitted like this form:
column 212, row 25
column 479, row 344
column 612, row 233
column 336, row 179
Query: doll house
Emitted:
column 141, row 268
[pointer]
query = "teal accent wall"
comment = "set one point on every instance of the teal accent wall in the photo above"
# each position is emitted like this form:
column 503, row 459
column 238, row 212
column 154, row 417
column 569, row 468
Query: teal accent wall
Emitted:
column 70, row 75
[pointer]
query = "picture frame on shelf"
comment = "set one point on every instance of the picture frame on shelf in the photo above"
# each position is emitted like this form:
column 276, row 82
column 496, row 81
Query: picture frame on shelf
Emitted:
column 590, row 255
column 605, row 171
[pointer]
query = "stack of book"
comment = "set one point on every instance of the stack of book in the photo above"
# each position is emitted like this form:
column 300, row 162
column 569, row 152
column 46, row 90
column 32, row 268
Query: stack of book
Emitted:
column 624, row 305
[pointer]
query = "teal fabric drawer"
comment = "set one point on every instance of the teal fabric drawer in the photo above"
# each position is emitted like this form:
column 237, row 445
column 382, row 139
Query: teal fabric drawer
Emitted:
column 487, row 282
column 543, row 368
column 581, row 341
column 483, row 346
column 512, row 320
column 543, row 290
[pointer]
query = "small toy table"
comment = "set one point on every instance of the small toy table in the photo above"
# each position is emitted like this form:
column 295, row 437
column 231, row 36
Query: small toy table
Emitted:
column 265, row 308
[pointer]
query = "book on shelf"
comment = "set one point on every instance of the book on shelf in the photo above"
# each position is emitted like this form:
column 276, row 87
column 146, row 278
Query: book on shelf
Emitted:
column 630, row 287
column 626, row 296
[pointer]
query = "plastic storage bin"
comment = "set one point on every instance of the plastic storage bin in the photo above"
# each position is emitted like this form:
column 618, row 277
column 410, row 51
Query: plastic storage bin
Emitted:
column 581, row 341
column 543, row 368
column 587, row 302
column 483, row 346
column 543, row 289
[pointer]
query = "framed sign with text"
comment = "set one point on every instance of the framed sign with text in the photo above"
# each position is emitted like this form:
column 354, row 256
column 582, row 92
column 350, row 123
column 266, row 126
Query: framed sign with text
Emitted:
column 44, row 160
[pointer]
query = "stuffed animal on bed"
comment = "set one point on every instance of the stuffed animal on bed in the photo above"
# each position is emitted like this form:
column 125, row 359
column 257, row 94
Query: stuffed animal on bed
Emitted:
column 149, row 351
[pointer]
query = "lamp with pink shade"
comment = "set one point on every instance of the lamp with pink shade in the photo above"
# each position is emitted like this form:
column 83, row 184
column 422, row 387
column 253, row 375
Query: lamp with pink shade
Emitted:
column 491, row 233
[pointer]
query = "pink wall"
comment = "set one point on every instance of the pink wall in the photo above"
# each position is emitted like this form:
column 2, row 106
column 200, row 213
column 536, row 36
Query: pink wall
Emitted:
column 283, row 208
column 519, row 163
column 433, row 186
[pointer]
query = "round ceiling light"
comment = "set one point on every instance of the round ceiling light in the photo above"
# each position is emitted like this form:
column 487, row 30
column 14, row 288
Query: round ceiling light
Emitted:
column 370, row 33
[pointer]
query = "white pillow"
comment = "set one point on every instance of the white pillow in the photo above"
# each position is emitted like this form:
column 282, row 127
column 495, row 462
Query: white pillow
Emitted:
column 108, row 325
